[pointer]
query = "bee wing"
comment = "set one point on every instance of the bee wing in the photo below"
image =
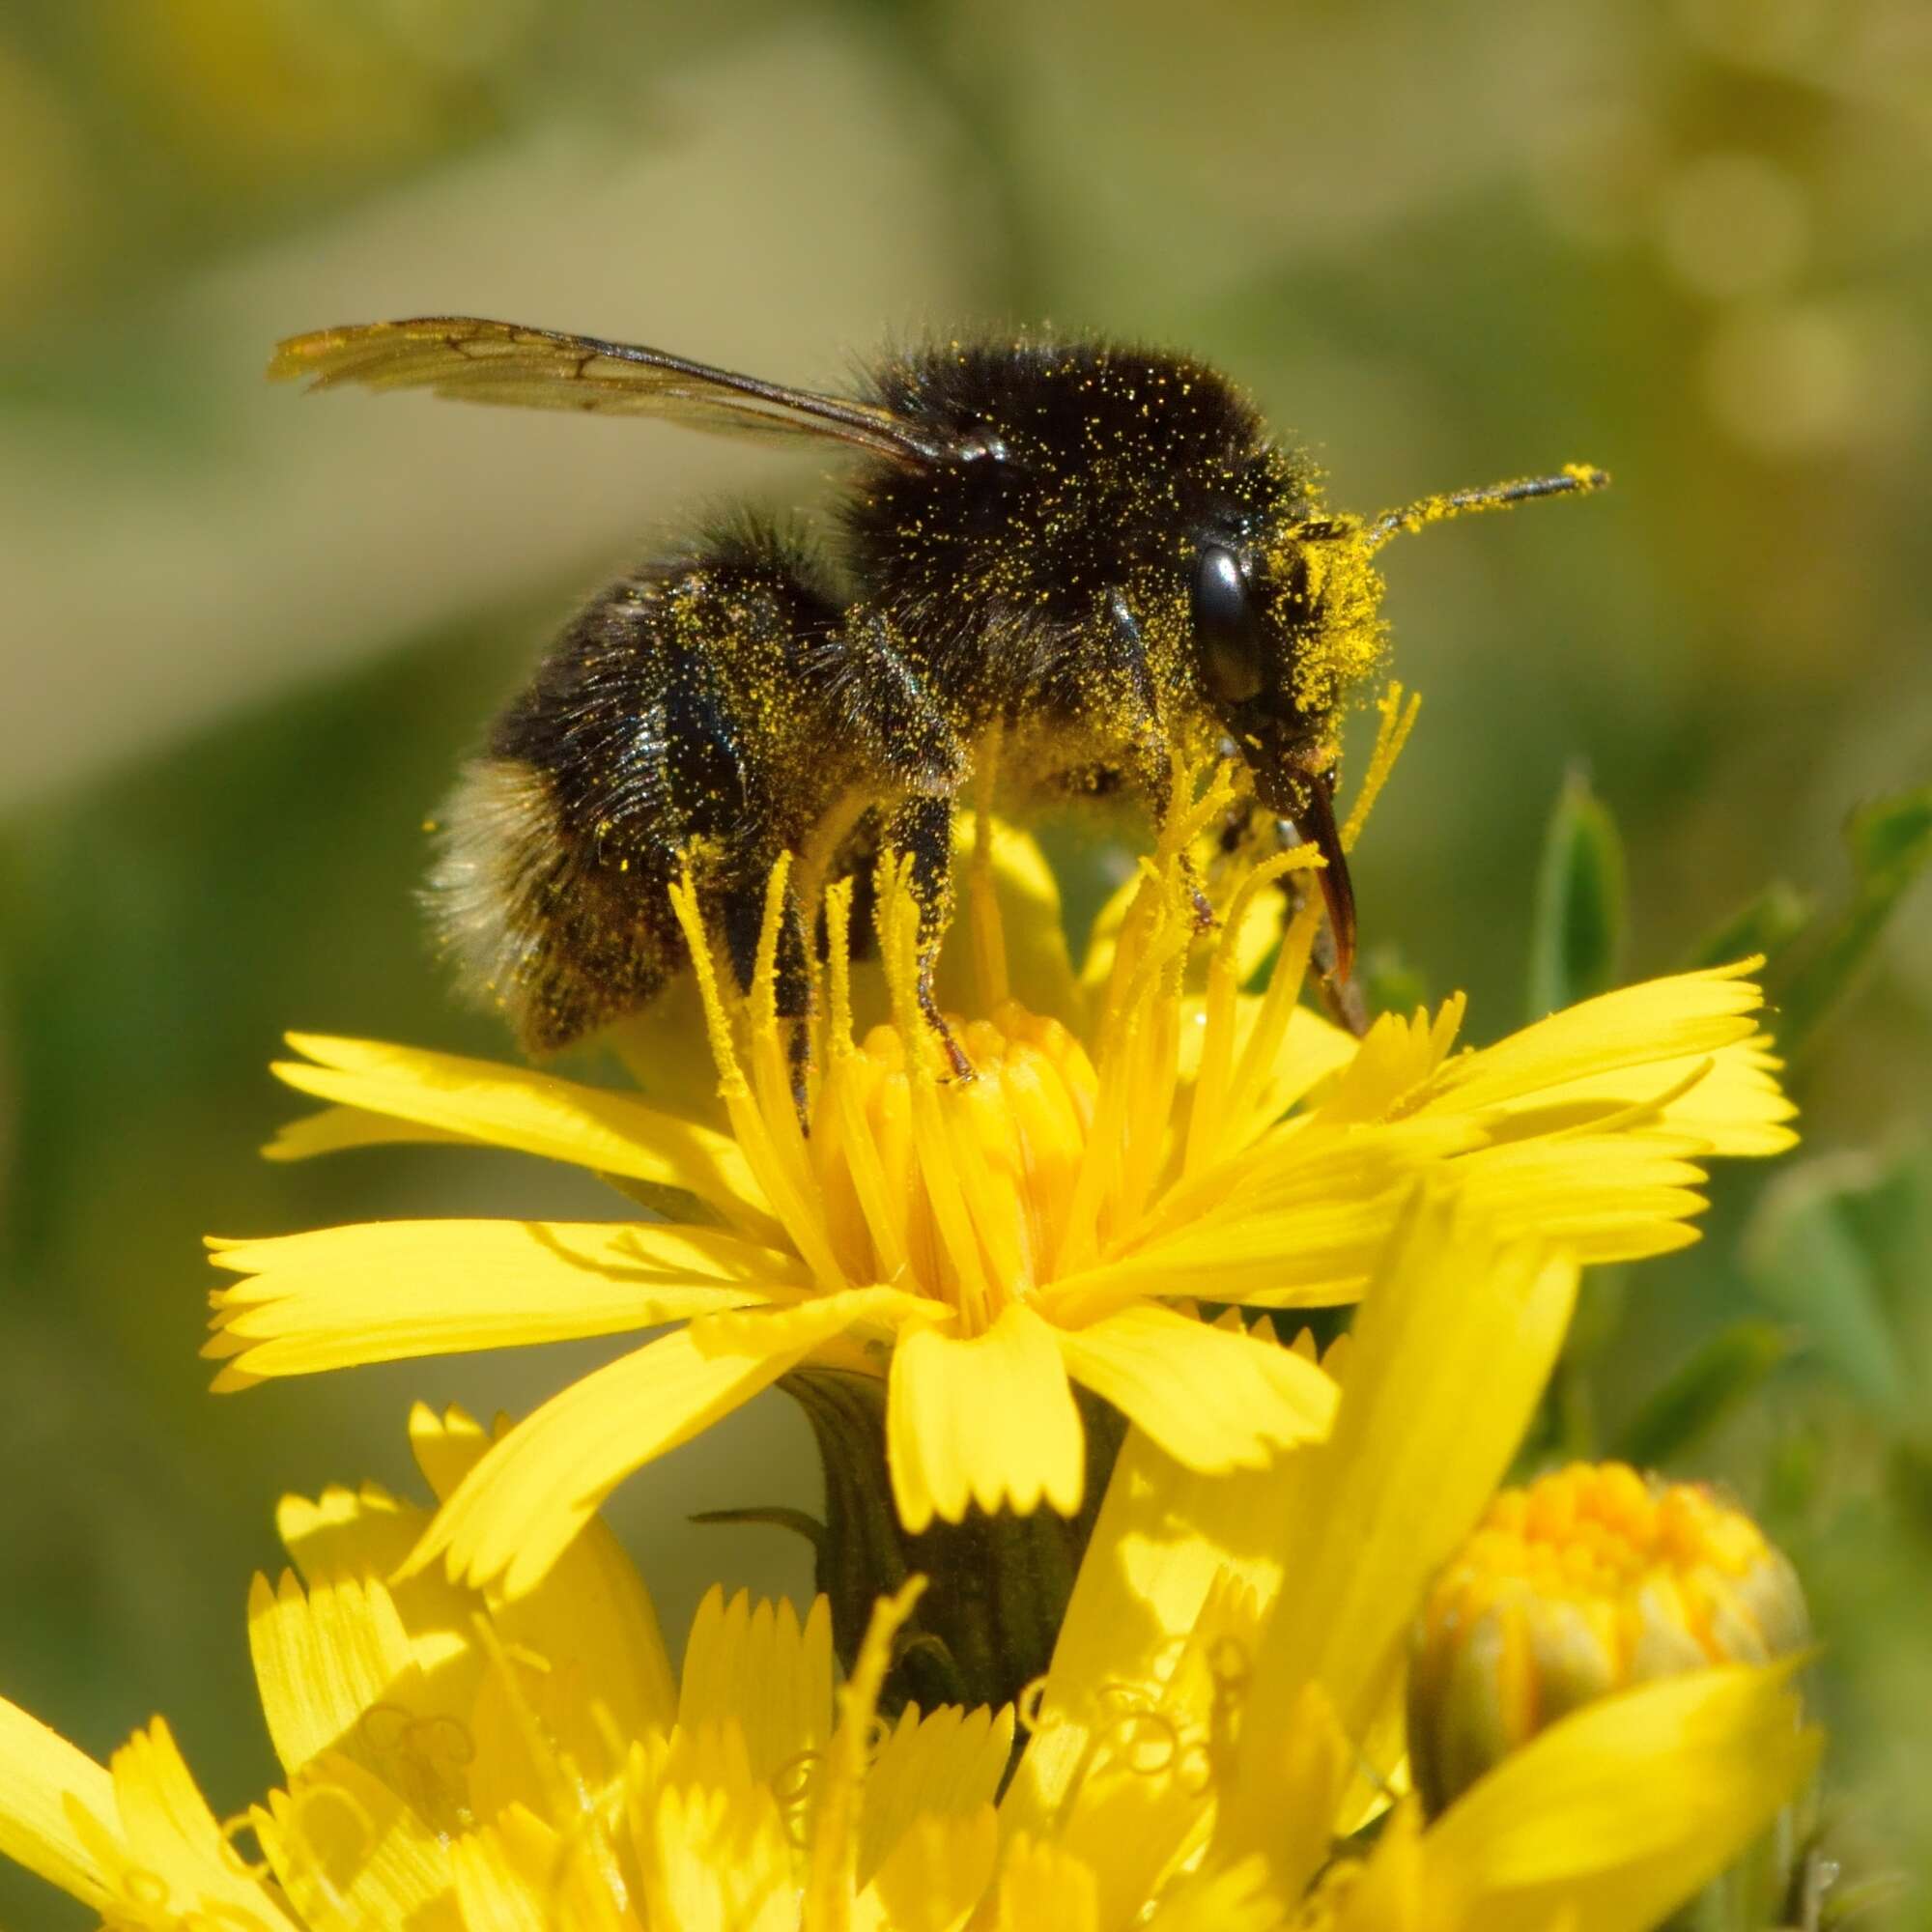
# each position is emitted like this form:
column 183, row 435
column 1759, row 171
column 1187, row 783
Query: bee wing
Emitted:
column 482, row 362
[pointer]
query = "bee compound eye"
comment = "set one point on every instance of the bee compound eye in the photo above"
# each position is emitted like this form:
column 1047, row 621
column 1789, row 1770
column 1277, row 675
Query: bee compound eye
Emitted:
column 1227, row 625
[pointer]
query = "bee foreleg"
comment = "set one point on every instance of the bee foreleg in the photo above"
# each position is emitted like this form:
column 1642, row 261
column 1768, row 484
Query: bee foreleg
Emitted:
column 1150, row 758
column 1250, row 832
column 1341, row 999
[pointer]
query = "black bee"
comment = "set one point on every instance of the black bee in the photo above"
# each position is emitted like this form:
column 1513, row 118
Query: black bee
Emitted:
column 1086, row 561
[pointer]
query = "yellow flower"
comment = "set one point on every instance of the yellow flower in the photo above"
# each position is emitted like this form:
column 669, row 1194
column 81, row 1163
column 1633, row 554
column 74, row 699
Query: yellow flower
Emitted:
column 453, row 1761
column 1139, row 1134
column 1227, row 1692
column 1588, row 1581
column 463, row 1761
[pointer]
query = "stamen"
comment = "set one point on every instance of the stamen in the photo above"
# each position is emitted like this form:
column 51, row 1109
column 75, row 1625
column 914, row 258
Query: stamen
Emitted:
column 839, row 969
column 788, row 1189
column 1398, row 722
column 830, row 1879
column 970, row 1291
column 989, row 1203
column 850, row 1139
column 1270, row 1028
column 1139, row 1048
column 1208, row 1120
column 716, row 1021
column 989, row 941
column 771, row 1064
column 765, row 969
column 895, row 919
column 231, row 1854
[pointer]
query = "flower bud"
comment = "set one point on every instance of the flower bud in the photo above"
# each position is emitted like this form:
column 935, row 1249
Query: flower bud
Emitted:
column 1589, row 1580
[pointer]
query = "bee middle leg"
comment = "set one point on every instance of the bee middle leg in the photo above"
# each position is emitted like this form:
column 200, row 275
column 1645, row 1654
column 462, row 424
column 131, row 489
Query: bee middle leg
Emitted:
column 890, row 709
column 921, row 829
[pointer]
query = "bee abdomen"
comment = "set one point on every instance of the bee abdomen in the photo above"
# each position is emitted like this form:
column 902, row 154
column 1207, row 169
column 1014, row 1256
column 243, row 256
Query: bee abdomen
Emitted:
column 532, row 928
column 683, row 709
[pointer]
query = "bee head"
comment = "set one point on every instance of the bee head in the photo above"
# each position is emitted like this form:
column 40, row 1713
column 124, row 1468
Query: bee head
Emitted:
column 1288, row 621
column 1284, row 629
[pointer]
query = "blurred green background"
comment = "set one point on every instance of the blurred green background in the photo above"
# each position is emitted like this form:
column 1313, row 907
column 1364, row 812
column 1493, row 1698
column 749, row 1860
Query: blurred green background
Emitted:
column 246, row 641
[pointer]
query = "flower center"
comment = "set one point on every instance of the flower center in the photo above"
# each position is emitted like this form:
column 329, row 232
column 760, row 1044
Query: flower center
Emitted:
column 962, row 1191
column 1589, row 1580
column 883, row 1169
column 1624, row 1552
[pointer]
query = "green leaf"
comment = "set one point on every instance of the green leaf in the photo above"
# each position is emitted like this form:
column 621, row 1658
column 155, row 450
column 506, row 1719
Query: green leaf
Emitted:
column 1807, row 1257
column 1891, row 844
column 1768, row 924
column 1727, row 1369
column 1577, row 938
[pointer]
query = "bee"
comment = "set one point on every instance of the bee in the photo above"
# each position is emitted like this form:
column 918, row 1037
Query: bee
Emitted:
column 1088, row 562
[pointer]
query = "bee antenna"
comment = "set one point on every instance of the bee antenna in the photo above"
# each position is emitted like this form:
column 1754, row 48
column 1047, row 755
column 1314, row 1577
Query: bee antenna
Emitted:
column 1575, row 478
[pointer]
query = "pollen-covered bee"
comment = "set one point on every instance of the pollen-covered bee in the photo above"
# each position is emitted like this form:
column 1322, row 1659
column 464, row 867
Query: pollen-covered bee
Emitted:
column 1085, row 561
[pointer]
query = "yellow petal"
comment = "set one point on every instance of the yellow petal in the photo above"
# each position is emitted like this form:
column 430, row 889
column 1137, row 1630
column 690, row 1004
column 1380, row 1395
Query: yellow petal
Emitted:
column 1041, row 1886
column 757, row 1667
column 367, row 1532
column 1312, row 1048
column 446, row 1446
column 1391, row 1064
column 1683, row 1017
column 493, row 1891
column 667, row 1050
column 388, row 1290
column 945, row 1766
column 174, row 1844
column 1317, row 1255
column 1623, row 1809
column 591, row 1620
column 1386, row 1894
column 988, row 1420
column 322, row 1660
column 360, row 1538
column 352, row 1851
column 513, row 1515
column 1164, row 1539
column 336, row 1129
column 1214, row 1398
column 1103, row 937
column 1237, row 1898
column 719, row 1860
column 1603, row 1197
column 535, row 1112
column 936, row 1872
column 43, row 1780
column 1454, row 1341
column 1730, row 1100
